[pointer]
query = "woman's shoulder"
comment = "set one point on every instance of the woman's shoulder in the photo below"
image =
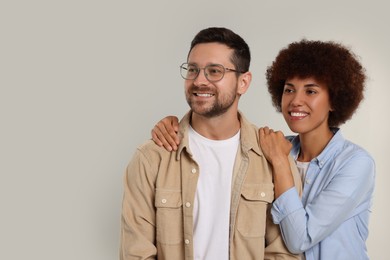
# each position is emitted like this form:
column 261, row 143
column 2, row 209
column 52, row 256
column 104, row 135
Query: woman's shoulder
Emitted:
column 345, row 149
column 356, row 151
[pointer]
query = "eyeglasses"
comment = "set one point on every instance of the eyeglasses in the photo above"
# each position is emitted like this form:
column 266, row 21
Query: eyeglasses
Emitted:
column 212, row 72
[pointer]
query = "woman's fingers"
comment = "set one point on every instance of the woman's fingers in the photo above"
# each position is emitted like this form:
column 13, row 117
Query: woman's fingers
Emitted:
column 164, row 133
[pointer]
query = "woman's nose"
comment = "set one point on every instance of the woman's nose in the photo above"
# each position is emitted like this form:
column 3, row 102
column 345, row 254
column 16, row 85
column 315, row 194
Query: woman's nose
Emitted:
column 297, row 99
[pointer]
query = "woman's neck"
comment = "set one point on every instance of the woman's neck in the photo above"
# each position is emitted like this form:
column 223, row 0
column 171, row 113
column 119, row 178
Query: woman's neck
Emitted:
column 313, row 143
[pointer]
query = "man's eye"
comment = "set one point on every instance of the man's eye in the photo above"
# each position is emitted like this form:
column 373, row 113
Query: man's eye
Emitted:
column 214, row 71
column 192, row 70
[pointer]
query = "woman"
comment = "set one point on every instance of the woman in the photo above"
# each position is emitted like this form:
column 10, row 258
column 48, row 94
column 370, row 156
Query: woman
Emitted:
column 317, row 86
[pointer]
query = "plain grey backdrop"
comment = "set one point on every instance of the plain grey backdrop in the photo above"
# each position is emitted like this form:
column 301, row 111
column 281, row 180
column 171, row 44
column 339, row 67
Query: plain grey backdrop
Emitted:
column 83, row 83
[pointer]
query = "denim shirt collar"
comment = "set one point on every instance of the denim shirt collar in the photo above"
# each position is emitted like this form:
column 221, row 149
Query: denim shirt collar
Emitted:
column 332, row 148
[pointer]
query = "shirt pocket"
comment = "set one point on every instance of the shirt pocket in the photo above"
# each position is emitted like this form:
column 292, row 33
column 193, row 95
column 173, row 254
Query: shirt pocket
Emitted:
column 252, row 210
column 169, row 216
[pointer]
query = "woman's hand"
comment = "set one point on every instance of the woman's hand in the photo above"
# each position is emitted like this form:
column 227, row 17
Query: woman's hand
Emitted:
column 276, row 149
column 165, row 131
column 273, row 144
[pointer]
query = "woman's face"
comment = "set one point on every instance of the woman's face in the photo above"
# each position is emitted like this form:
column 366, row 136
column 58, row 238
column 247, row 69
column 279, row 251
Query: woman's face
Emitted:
column 306, row 105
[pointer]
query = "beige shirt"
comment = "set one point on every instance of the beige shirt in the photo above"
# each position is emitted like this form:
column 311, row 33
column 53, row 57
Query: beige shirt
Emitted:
column 159, row 190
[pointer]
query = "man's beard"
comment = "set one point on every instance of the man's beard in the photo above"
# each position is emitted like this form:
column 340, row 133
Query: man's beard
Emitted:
column 218, row 107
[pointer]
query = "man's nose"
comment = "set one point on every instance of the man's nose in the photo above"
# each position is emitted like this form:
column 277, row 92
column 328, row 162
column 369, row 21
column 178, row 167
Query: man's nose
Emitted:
column 201, row 79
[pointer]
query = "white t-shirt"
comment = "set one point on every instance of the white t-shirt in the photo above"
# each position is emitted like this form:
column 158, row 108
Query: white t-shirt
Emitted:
column 212, row 199
column 302, row 169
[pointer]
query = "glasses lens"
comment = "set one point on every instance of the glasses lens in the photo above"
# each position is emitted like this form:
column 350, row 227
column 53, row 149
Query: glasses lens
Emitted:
column 188, row 71
column 214, row 72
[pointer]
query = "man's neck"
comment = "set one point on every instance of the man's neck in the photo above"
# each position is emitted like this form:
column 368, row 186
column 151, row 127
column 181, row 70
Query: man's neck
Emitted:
column 216, row 128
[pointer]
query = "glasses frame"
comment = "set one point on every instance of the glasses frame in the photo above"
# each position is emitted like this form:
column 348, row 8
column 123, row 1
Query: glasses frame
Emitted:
column 204, row 71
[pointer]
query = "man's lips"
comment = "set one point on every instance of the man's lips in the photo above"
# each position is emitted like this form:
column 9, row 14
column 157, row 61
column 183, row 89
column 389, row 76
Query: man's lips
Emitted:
column 203, row 94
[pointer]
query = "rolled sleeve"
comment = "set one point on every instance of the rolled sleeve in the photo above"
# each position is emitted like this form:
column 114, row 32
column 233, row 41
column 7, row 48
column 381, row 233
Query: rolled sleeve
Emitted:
column 287, row 203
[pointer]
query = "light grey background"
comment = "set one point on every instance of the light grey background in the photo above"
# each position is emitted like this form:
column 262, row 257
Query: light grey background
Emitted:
column 83, row 82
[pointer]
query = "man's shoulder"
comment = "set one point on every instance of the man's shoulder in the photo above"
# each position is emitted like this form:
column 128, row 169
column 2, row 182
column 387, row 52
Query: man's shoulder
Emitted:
column 150, row 151
column 246, row 124
column 149, row 146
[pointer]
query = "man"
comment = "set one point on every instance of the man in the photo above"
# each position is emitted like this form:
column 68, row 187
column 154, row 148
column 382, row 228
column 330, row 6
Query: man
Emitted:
column 210, row 199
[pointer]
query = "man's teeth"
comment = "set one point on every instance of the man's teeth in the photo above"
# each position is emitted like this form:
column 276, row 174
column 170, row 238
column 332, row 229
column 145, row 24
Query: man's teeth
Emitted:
column 298, row 114
column 204, row 95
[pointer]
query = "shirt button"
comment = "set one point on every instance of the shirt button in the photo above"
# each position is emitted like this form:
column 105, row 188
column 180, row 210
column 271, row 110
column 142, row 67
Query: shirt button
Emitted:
column 164, row 201
column 307, row 182
column 187, row 241
column 188, row 204
column 193, row 170
column 262, row 194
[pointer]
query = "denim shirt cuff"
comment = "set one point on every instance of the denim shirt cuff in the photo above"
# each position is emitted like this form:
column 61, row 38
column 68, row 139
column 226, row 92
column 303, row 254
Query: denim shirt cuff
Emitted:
column 287, row 203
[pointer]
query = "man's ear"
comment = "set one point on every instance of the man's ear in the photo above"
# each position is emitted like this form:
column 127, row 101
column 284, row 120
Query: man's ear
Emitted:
column 244, row 82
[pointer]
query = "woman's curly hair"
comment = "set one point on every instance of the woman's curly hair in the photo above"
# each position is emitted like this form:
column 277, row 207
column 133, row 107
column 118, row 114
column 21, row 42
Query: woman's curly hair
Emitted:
column 328, row 62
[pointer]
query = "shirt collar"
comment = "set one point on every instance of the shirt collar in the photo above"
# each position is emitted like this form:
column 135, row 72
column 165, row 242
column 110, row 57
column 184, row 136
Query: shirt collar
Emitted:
column 335, row 144
column 248, row 135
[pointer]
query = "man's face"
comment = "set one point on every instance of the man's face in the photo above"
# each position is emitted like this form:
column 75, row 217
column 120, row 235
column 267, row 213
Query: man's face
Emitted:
column 207, row 98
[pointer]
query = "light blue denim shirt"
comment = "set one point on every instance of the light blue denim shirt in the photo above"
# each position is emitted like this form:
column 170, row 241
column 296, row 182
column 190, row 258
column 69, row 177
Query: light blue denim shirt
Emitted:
column 330, row 221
